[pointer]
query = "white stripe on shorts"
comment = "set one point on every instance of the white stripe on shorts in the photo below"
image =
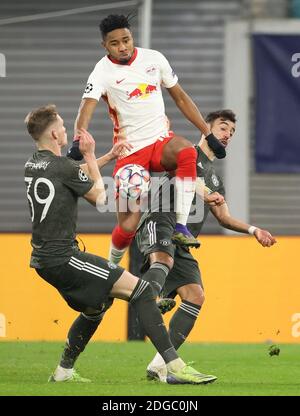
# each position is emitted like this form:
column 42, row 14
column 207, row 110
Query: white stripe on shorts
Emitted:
column 89, row 268
column 152, row 232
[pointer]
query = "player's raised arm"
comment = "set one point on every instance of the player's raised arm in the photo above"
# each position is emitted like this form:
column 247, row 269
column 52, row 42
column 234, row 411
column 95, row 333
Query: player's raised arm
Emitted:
column 116, row 151
column 222, row 214
column 188, row 108
column 207, row 195
column 87, row 147
column 85, row 113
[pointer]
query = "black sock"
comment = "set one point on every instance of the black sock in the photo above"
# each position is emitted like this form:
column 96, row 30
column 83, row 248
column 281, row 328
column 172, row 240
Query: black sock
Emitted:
column 143, row 301
column 156, row 276
column 182, row 322
column 80, row 333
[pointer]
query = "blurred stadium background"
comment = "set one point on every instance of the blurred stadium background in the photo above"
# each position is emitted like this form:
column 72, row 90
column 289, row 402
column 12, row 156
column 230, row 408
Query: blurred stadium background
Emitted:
column 252, row 294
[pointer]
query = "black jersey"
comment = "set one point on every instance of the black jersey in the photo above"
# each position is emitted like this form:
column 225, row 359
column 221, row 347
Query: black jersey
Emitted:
column 54, row 184
column 206, row 171
column 162, row 197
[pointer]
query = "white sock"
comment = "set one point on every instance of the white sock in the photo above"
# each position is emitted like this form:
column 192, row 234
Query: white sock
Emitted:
column 115, row 255
column 176, row 365
column 157, row 361
column 61, row 373
column 185, row 191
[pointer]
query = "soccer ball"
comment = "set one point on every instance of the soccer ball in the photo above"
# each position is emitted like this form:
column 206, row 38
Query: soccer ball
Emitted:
column 132, row 181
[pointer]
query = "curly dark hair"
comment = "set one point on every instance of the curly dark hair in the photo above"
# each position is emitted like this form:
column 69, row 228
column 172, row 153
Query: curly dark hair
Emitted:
column 112, row 22
column 225, row 114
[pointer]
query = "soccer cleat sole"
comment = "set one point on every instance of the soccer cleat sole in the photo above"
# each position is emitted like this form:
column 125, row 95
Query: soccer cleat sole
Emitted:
column 154, row 376
column 184, row 241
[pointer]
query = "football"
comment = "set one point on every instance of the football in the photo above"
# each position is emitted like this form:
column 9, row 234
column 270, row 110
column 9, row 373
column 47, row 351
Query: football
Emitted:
column 132, row 181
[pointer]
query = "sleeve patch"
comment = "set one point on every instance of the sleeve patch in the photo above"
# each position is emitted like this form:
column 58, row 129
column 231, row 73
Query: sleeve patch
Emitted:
column 82, row 176
column 89, row 87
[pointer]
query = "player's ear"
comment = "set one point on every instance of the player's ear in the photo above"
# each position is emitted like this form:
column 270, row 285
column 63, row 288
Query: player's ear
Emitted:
column 54, row 134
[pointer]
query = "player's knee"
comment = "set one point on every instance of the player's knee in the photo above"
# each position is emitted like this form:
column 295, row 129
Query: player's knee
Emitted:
column 200, row 298
column 163, row 258
column 93, row 317
column 128, row 228
column 97, row 315
column 189, row 152
column 192, row 293
column 186, row 147
column 183, row 143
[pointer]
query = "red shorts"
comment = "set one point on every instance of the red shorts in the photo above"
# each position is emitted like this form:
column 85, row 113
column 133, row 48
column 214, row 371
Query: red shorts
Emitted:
column 149, row 157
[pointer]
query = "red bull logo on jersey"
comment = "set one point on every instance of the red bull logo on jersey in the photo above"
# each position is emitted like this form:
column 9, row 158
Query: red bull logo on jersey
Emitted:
column 142, row 91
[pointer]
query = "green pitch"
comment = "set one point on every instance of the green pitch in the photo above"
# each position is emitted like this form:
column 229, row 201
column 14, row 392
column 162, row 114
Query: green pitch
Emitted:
column 119, row 369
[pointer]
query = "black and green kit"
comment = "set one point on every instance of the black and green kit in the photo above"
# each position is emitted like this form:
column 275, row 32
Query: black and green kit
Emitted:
column 54, row 184
column 156, row 228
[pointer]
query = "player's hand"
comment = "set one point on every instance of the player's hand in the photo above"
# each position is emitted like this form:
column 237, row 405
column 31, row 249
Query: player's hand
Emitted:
column 214, row 199
column 264, row 237
column 86, row 143
column 119, row 148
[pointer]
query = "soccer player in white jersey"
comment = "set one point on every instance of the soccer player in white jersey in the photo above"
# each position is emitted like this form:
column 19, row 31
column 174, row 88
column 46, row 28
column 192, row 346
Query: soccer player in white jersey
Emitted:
column 129, row 80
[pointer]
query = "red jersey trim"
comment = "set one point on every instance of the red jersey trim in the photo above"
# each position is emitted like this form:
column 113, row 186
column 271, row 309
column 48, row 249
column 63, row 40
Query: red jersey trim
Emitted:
column 114, row 117
column 115, row 61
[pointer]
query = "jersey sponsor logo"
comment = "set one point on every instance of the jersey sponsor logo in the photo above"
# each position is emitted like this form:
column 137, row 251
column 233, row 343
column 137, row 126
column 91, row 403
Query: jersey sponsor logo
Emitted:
column 142, row 91
column 118, row 81
column 215, row 180
column 82, row 176
column 89, row 87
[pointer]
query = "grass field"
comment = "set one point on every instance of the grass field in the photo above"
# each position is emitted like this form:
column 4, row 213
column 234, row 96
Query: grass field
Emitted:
column 118, row 369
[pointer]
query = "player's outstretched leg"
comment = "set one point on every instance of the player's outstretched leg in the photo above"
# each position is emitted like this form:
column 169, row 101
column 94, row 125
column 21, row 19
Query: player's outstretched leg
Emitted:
column 156, row 276
column 81, row 331
column 142, row 299
column 181, row 324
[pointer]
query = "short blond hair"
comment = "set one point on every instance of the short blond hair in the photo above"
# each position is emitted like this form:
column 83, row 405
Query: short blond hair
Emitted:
column 38, row 120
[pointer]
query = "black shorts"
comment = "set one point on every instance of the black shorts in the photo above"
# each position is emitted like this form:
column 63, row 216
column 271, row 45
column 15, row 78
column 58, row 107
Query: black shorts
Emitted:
column 184, row 272
column 85, row 281
column 155, row 235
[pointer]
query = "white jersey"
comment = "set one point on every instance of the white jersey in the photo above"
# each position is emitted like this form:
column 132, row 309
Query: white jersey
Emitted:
column 133, row 94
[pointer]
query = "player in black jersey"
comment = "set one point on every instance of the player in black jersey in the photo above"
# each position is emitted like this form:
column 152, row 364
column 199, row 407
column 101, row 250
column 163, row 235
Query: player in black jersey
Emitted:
column 154, row 241
column 87, row 282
